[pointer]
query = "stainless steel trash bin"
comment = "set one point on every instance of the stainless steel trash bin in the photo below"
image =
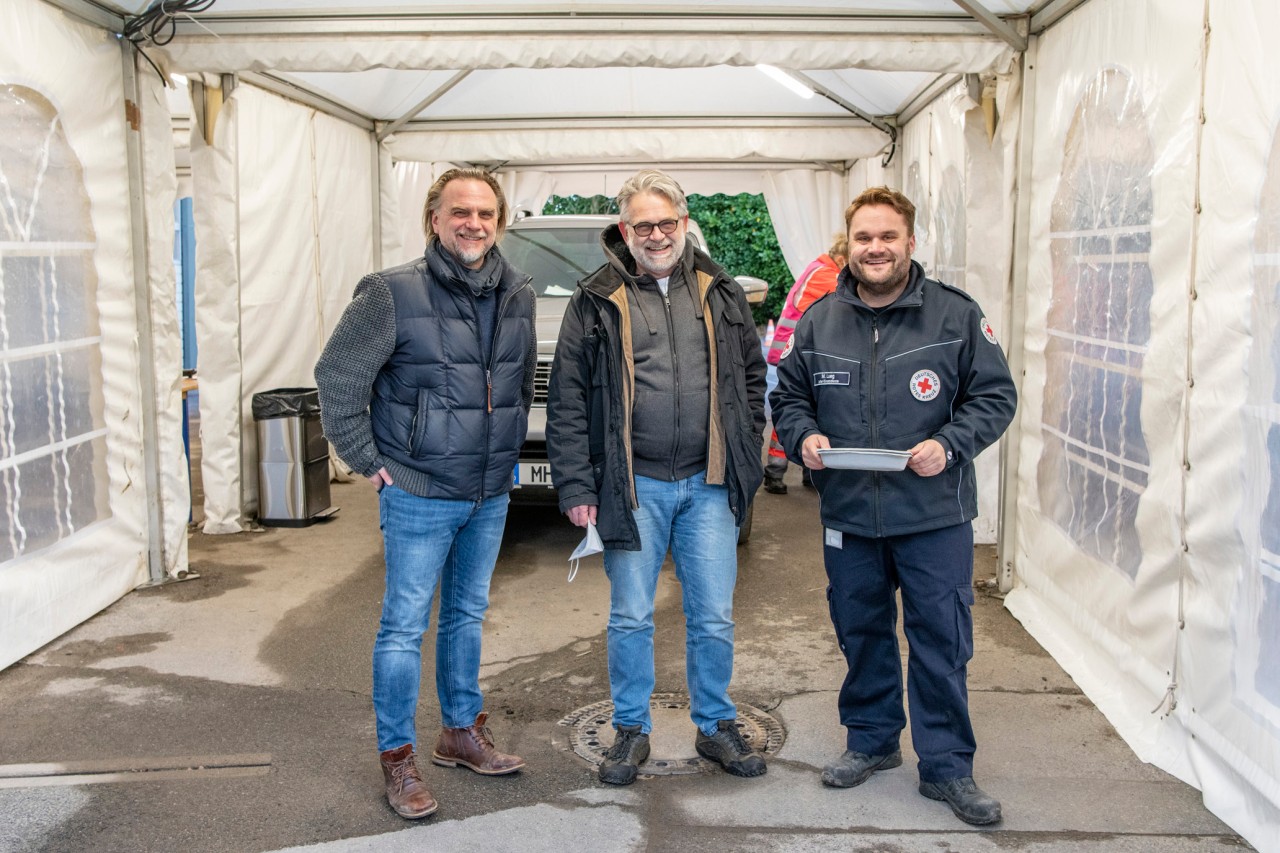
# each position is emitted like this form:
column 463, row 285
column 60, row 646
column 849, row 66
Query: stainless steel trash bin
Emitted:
column 293, row 458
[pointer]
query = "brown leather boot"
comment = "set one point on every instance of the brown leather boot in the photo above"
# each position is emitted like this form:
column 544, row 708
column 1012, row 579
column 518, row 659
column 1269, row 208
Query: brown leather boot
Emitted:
column 472, row 746
column 405, row 790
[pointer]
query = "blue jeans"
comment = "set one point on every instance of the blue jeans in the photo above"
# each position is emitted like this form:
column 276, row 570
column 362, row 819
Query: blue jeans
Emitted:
column 693, row 520
column 429, row 541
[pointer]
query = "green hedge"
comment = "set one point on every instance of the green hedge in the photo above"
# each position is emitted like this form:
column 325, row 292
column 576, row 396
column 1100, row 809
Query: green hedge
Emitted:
column 739, row 233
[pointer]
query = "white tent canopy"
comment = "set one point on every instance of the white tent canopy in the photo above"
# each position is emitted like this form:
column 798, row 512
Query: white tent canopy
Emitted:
column 1094, row 172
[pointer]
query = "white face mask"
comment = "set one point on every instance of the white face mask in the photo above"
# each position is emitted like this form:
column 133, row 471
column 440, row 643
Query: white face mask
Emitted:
column 589, row 545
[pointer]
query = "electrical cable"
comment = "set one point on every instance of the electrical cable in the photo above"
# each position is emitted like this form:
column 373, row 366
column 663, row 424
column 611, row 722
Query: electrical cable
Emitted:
column 158, row 25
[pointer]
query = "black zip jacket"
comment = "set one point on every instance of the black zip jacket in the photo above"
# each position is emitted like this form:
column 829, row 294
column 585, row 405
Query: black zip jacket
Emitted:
column 927, row 366
column 590, row 399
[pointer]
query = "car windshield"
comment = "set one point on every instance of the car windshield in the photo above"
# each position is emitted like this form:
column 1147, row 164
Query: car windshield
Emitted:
column 557, row 258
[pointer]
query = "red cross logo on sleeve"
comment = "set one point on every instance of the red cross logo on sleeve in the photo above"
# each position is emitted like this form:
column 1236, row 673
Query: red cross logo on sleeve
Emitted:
column 925, row 385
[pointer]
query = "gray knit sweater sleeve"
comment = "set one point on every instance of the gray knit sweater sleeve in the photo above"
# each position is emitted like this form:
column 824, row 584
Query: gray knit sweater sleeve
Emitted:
column 360, row 345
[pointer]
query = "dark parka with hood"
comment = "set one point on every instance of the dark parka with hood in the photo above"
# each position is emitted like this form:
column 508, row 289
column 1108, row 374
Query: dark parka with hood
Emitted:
column 592, row 392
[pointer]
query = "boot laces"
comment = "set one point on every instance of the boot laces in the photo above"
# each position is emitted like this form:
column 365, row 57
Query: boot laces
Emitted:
column 622, row 745
column 483, row 736
column 736, row 741
column 404, row 772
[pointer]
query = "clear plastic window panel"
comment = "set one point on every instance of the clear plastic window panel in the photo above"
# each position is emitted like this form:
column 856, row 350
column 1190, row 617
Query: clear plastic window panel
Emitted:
column 950, row 227
column 1257, row 620
column 913, row 188
column 52, row 436
column 1094, row 466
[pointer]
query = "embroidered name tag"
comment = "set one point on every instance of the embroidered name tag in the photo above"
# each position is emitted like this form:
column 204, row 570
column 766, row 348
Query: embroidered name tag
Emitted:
column 831, row 377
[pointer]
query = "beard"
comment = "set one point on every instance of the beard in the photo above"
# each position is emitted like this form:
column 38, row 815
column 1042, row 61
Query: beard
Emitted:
column 468, row 253
column 884, row 283
column 470, row 256
column 643, row 250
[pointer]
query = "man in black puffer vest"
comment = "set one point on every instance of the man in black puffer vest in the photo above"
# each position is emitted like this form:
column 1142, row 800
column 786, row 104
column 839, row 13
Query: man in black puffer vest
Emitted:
column 654, row 417
column 425, row 388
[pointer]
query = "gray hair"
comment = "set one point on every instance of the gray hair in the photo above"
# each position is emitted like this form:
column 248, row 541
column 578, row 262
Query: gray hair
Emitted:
column 652, row 181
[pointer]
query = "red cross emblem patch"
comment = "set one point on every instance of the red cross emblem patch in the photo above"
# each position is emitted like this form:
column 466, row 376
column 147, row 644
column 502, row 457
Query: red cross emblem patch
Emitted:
column 925, row 385
column 988, row 332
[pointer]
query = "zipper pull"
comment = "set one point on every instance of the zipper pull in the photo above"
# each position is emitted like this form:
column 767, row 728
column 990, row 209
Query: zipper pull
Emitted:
column 488, row 381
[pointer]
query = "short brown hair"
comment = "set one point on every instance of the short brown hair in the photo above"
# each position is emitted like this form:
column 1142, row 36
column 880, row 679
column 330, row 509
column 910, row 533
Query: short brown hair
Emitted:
column 432, row 204
column 887, row 197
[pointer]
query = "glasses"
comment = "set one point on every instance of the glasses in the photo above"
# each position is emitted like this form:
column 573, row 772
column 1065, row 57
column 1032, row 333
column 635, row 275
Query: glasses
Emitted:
column 666, row 226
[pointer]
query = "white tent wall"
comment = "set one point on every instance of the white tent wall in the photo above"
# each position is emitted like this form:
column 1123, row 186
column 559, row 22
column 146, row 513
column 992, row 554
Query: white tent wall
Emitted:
column 874, row 172
column 160, row 191
column 215, row 209
column 412, row 181
column 288, row 246
column 807, row 209
column 69, row 359
column 1149, row 603
column 945, row 152
column 526, row 191
column 1231, row 645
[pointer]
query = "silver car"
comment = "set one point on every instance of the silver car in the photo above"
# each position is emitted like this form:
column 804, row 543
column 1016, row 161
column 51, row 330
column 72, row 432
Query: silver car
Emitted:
column 560, row 251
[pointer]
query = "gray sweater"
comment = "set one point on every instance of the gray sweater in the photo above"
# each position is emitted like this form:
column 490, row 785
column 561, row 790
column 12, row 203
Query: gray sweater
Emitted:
column 673, row 379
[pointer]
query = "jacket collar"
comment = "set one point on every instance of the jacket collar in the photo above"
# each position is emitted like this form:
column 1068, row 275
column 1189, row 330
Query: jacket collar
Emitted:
column 620, row 266
column 442, row 270
column 911, row 297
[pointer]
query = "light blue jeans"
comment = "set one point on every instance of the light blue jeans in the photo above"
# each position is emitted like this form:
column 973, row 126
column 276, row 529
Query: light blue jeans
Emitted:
column 429, row 541
column 693, row 520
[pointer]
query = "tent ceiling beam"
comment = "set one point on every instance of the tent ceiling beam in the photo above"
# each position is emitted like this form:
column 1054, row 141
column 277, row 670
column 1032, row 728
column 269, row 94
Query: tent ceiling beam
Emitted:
column 295, row 92
column 91, row 13
column 212, row 24
column 430, row 99
column 1052, row 13
column 745, row 164
column 1011, row 36
column 926, row 96
column 634, row 123
column 808, row 82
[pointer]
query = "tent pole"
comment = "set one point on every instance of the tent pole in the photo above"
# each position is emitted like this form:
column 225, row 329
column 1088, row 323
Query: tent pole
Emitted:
column 377, row 199
column 142, row 313
column 1015, row 321
column 1011, row 36
column 417, row 108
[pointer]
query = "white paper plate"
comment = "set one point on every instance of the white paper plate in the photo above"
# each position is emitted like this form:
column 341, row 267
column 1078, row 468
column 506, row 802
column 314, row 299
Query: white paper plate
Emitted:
column 864, row 458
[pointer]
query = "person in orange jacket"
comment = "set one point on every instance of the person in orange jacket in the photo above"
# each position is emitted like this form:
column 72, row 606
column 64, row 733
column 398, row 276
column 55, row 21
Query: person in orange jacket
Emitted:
column 817, row 280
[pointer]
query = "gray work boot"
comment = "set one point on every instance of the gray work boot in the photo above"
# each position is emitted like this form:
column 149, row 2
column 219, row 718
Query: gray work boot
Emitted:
column 854, row 768
column 622, row 760
column 969, row 802
column 728, row 749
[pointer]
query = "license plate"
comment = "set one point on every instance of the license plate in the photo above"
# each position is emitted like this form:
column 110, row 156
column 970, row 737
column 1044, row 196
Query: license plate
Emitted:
column 533, row 474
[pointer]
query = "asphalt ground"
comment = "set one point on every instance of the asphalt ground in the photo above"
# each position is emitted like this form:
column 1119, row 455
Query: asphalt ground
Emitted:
column 232, row 712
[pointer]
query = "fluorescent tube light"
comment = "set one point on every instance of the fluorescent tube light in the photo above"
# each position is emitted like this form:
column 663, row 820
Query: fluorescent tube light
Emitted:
column 787, row 80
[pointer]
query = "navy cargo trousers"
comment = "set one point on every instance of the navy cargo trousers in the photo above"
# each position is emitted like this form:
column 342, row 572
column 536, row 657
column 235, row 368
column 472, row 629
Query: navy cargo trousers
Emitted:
column 934, row 571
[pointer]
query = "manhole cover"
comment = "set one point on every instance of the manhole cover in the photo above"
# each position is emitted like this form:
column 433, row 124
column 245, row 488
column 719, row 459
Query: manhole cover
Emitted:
column 671, row 741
